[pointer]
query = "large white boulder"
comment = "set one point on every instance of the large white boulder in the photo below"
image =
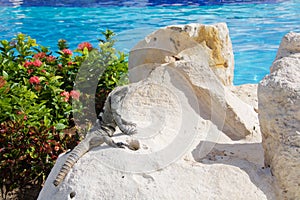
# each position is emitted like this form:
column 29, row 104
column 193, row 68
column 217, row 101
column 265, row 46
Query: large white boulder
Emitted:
column 197, row 139
column 233, row 116
column 171, row 40
column 190, row 180
column 290, row 44
column 174, row 161
column 182, row 155
column 279, row 116
column 217, row 103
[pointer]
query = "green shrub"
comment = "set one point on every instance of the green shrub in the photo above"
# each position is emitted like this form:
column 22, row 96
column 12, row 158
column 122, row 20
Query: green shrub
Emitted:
column 115, row 73
column 36, row 97
column 28, row 153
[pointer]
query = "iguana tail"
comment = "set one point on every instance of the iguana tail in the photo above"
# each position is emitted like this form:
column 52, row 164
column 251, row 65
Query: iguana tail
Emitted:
column 73, row 157
column 93, row 139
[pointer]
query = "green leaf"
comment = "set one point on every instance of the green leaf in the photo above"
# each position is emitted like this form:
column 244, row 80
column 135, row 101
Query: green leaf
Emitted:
column 47, row 122
column 42, row 78
column 60, row 126
column 4, row 42
column 5, row 75
column 54, row 78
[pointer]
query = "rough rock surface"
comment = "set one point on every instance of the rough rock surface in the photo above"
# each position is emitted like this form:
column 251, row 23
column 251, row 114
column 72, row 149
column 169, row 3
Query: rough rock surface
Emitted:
column 217, row 103
column 197, row 138
column 226, row 172
column 279, row 116
column 290, row 44
column 216, row 39
column 247, row 93
column 172, row 40
column 222, row 179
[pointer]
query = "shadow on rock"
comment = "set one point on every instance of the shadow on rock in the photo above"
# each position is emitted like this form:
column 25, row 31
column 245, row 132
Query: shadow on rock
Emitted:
column 247, row 157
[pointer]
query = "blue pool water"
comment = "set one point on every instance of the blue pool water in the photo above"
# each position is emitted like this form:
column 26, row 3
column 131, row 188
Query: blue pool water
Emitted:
column 255, row 28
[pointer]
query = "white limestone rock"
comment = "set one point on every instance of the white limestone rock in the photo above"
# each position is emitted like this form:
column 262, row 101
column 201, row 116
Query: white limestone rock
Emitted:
column 215, row 38
column 216, row 102
column 185, row 116
column 247, row 93
column 233, row 179
column 290, row 44
column 175, row 144
column 170, row 41
column 279, row 116
column 232, row 168
column 159, row 45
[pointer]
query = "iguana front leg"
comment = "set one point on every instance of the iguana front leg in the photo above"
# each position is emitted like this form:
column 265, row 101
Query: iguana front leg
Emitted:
column 92, row 140
column 126, row 127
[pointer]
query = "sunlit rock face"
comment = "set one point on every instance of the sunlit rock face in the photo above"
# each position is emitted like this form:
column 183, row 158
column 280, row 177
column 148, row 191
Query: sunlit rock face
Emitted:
column 203, row 54
column 170, row 41
column 279, row 116
column 198, row 137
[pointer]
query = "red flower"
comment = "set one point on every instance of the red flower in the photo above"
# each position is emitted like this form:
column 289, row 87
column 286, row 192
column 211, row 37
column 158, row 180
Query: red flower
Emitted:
column 67, row 52
column 34, row 80
column 50, row 59
column 56, row 148
column 40, row 55
column 37, row 63
column 25, row 117
column 66, row 95
column 75, row 94
column 71, row 63
column 43, row 71
column 83, row 45
column 19, row 112
column 29, row 71
column 27, row 64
